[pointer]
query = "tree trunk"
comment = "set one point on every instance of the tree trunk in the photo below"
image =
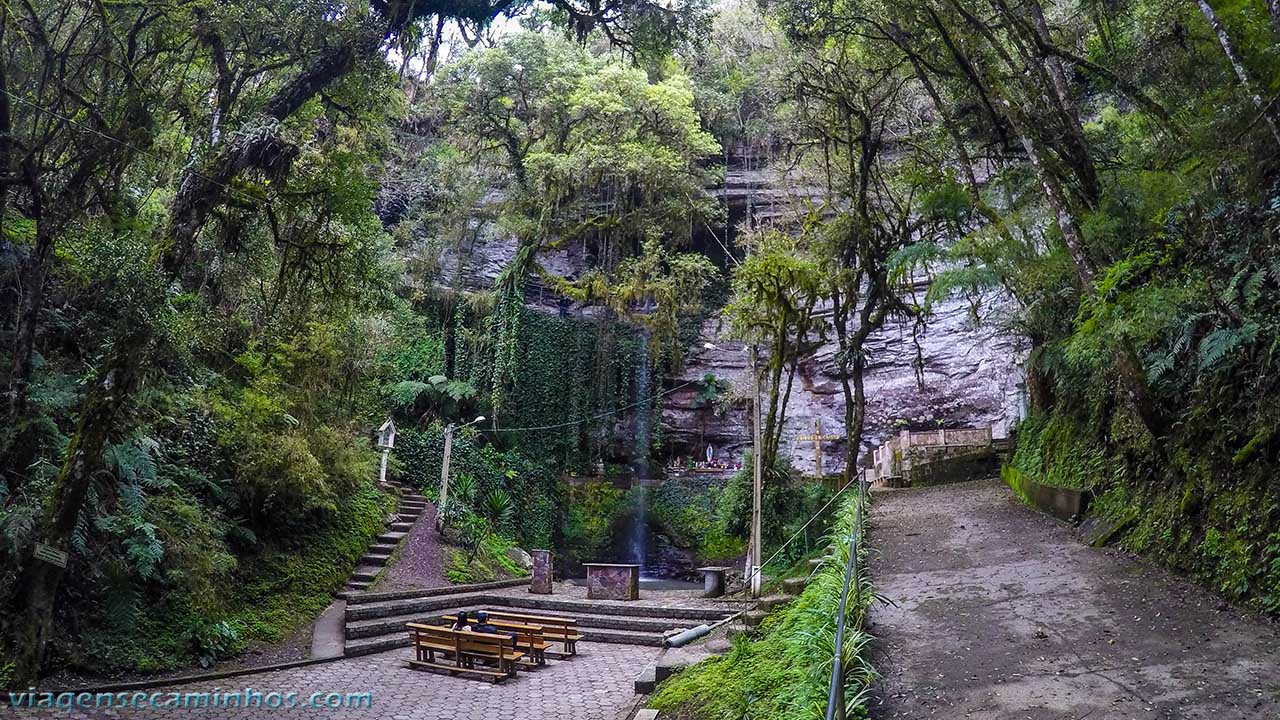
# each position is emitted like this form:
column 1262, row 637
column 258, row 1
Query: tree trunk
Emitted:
column 1228, row 49
column 29, row 309
column 1273, row 9
column 1085, row 268
column 99, row 417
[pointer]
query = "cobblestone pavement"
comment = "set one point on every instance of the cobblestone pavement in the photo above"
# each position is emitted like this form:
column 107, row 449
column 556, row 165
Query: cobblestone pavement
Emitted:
column 1002, row 613
column 596, row 685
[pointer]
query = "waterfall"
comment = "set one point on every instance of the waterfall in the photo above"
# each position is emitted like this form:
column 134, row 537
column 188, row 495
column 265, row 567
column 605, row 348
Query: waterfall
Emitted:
column 638, row 537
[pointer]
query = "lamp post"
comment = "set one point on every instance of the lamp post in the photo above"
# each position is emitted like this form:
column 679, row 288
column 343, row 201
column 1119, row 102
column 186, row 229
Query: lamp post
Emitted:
column 755, row 553
column 444, row 468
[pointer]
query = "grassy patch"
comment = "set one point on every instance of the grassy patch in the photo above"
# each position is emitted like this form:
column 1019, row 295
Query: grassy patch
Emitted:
column 784, row 671
column 490, row 563
column 287, row 586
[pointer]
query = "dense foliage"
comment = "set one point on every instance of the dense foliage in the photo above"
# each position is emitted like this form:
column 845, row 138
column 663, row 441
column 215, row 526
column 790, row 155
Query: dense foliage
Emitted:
column 204, row 314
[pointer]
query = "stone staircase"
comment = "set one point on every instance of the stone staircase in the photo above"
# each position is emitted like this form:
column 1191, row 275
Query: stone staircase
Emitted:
column 375, row 622
column 410, row 508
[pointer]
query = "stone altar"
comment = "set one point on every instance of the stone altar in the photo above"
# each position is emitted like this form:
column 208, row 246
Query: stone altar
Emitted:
column 612, row 581
column 712, row 581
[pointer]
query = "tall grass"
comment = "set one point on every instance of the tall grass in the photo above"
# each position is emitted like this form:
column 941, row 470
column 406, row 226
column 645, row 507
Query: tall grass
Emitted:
column 783, row 672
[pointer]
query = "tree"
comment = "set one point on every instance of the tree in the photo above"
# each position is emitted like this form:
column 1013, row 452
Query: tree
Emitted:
column 775, row 291
column 278, row 75
column 587, row 152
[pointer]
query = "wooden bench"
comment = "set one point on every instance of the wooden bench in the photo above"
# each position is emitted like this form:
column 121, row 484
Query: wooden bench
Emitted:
column 465, row 649
column 528, row 637
column 556, row 629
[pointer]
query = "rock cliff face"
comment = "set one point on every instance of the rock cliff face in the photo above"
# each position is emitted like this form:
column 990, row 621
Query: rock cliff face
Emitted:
column 967, row 374
column 970, row 377
column 963, row 374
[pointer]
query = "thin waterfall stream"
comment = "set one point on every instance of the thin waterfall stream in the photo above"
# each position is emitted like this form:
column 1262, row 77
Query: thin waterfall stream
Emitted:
column 638, row 536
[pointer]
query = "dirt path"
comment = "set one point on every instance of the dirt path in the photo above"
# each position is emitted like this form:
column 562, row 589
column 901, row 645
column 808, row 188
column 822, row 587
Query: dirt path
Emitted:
column 422, row 558
column 1002, row 613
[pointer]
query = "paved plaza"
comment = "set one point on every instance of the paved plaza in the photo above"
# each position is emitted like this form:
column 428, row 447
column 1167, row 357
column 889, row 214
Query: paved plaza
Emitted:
column 595, row 685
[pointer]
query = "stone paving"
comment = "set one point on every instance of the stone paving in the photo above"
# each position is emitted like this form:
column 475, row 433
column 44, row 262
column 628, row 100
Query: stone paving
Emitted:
column 595, row 685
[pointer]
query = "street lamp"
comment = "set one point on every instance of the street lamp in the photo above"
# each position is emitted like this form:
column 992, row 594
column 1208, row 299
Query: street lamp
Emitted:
column 444, row 468
column 757, row 473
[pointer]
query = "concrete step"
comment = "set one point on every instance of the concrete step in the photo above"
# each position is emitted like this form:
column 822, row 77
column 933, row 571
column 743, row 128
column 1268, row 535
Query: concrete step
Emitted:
column 413, row 504
column 389, row 595
column 392, row 537
column 375, row 559
column 794, row 586
column 399, row 638
column 607, row 625
column 395, row 623
column 647, row 682
column 375, row 645
column 633, row 624
column 366, row 572
column 411, row 606
column 752, row 618
column 383, row 548
column 773, row 602
column 402, row 527
column 621, row 637
column 577, row 607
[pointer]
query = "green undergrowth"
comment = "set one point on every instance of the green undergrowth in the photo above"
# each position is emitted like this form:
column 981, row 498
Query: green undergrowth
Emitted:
column 290, row 585
column 267, row 597
column 783, row 670
column 1056, row 452
column 490, row 562
column 687, row 511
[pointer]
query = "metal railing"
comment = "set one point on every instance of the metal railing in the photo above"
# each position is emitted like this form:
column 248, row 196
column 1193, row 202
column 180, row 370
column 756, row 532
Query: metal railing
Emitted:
column 835, row 692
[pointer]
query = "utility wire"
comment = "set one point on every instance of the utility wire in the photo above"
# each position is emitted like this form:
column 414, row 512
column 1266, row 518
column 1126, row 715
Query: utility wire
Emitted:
column 797, row 533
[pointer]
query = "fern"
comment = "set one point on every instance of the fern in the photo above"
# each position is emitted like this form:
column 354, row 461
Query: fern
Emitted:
column 406, row 393
column 1222, row 342
column 1158, row 365
column 134, row 461
column 144, row 549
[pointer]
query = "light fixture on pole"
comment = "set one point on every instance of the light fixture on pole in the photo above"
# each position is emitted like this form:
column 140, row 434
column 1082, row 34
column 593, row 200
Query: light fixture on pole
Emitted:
column 444, row 469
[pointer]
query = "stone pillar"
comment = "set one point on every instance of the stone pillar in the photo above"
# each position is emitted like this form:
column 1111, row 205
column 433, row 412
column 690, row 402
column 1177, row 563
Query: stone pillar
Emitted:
column 542, row 574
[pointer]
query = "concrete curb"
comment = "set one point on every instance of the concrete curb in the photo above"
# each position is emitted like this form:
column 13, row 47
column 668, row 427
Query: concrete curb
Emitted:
column 190, row 679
